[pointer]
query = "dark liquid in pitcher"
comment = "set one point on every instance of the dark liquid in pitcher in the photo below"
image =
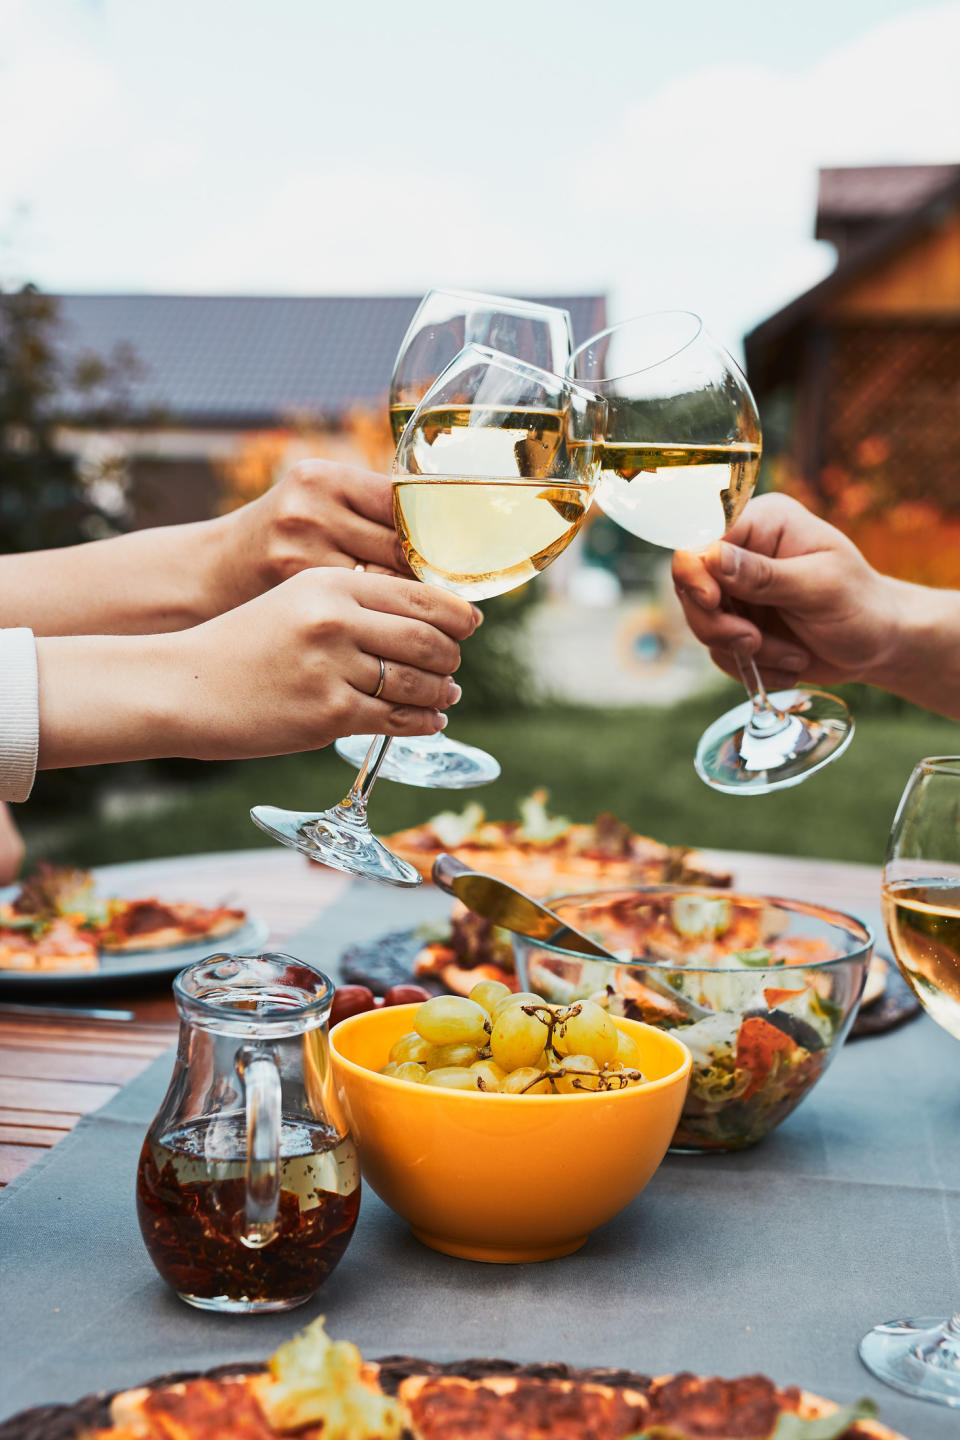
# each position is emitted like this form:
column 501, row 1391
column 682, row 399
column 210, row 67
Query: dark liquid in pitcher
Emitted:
column 190, row 1203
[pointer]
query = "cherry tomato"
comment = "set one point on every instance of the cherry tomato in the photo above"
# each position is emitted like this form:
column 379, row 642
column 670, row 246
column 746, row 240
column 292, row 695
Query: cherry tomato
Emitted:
column 406, row 995
column 350, row 1000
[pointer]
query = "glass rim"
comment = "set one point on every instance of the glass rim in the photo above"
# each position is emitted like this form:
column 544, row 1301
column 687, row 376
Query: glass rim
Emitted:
column 507, row 302
column 938, row 764
column 211, row 1008
column 838, row 919
column 640, row 369
column 512, row 362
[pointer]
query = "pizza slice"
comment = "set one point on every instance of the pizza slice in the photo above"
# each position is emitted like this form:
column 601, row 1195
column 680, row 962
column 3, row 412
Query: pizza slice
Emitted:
column 39, row 947
column 132, row 925
column 545, row 854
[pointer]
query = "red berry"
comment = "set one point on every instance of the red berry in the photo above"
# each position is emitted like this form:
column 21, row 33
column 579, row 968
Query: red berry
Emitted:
column 350, row 1000
column 406, row 995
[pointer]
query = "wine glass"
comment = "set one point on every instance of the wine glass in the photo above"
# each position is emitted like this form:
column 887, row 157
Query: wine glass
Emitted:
column 921, row 910
column 680, row 463
column 493, row 477
column 444, row 322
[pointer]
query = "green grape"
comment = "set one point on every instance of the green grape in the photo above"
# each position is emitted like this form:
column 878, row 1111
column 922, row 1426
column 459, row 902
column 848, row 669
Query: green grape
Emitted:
column 411, row 1047
column 390, row 1068
column 591, row 1032
column 492, row 1074
column 442, row 1056
column 447, row 1019
column 489, row 993
column 628, row 1051
column 580, row 1073
column 519, row 997
column 452, row 1077
column 410, row 1070
column 517, row 1039
column 525, row 1080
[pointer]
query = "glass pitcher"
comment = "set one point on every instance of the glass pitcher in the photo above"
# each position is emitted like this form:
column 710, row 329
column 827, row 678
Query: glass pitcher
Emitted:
column 248, row 1186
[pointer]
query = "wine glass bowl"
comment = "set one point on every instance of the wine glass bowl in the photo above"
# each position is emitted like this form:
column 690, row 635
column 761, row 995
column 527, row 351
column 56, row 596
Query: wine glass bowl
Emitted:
column 494, row 473
column 683, row 437
column 447, row 320
column 921, row 910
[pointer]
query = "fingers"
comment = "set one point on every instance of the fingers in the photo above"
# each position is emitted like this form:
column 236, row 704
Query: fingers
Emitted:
column 368, row 494
column 409, row 642
column 385, row 595
column 371, row 543
column 774, row 676
column 692, row 578
column 379, row 717
column 790, row 584
column 406, row 685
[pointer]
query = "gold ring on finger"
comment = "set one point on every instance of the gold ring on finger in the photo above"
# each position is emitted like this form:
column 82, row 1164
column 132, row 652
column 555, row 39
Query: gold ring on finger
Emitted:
column 383, row 675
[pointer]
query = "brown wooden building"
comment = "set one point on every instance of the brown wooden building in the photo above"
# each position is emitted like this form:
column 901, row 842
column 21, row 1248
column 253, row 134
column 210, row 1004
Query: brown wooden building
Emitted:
column 869, row 359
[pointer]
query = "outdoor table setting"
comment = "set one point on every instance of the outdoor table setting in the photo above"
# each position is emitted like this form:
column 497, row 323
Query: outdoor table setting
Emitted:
column 572, row 1162
column 770, row 1259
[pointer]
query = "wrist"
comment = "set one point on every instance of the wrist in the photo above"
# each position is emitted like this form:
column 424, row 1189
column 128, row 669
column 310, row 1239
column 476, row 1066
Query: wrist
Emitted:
column 107, row 698
column 920, row 657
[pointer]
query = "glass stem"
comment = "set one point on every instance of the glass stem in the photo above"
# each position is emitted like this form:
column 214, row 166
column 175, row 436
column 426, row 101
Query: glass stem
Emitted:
column 765, row 717
column 356, row 800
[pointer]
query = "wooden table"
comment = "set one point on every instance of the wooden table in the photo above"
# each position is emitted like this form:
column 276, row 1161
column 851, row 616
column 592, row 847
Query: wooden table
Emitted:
column 55, row 1069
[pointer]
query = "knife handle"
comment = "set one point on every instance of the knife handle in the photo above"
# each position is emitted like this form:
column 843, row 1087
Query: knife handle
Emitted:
column 445, row 870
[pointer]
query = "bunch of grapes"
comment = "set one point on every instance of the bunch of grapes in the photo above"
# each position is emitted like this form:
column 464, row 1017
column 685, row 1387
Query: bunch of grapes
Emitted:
column 510, row 1044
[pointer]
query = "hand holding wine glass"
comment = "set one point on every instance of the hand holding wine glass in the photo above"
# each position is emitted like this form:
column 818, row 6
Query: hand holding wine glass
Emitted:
column 445, row 321
column 493, row 477
column 680, row 462
column 815, row 608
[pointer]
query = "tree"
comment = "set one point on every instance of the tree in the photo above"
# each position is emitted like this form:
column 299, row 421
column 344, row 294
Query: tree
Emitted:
column 46, row 499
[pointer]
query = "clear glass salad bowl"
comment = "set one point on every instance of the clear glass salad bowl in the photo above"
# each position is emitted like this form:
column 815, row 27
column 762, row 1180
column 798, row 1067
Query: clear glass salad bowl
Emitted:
column 762, row 991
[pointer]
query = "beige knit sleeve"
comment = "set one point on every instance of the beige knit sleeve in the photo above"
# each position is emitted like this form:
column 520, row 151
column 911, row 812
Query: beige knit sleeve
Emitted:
column 19, row 714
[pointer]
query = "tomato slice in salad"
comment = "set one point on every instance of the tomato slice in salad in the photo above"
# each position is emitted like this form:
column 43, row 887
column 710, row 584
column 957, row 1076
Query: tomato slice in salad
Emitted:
column 757, row 1043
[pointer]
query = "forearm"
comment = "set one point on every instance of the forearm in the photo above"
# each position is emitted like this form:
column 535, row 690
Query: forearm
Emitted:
column 105, row 698
column 145, row 583
column 921, row 661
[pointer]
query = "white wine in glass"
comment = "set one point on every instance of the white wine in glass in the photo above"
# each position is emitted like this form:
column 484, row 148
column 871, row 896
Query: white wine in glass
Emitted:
column 678, row 496
column 446, row 321
column 921, row 910
column 482, row 503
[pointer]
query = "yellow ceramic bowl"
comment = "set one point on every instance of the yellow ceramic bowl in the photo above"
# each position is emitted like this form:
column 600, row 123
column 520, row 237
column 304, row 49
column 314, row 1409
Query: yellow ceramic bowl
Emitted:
column 503, row 1177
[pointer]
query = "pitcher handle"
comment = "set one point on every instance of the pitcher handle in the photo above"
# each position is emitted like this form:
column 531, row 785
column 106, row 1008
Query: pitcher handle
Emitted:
column 261, row 1084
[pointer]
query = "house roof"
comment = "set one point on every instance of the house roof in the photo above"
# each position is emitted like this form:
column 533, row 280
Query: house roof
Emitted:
column 878, row 192
column 254, row 361
column 770, row 349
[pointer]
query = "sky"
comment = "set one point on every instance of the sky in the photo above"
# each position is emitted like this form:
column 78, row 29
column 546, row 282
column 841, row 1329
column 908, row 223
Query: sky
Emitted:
column 661, row 153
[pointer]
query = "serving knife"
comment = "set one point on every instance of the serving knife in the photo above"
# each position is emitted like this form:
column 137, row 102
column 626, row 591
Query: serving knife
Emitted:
column 505, row 905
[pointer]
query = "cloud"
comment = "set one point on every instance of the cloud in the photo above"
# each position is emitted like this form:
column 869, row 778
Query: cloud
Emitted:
column 699, row 192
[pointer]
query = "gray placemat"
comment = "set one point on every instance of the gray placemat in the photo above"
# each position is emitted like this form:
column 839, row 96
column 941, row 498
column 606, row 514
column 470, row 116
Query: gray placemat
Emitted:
column 775, row 1259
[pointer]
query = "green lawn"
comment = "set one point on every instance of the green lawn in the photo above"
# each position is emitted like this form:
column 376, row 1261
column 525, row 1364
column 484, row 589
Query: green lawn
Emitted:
column 636, row 763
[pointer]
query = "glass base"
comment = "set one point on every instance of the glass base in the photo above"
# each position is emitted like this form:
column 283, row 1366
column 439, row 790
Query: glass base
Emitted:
column 225, row 1305
column 336, row 838
column 741, row 756
column 920, row 1357
column 431, row 761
